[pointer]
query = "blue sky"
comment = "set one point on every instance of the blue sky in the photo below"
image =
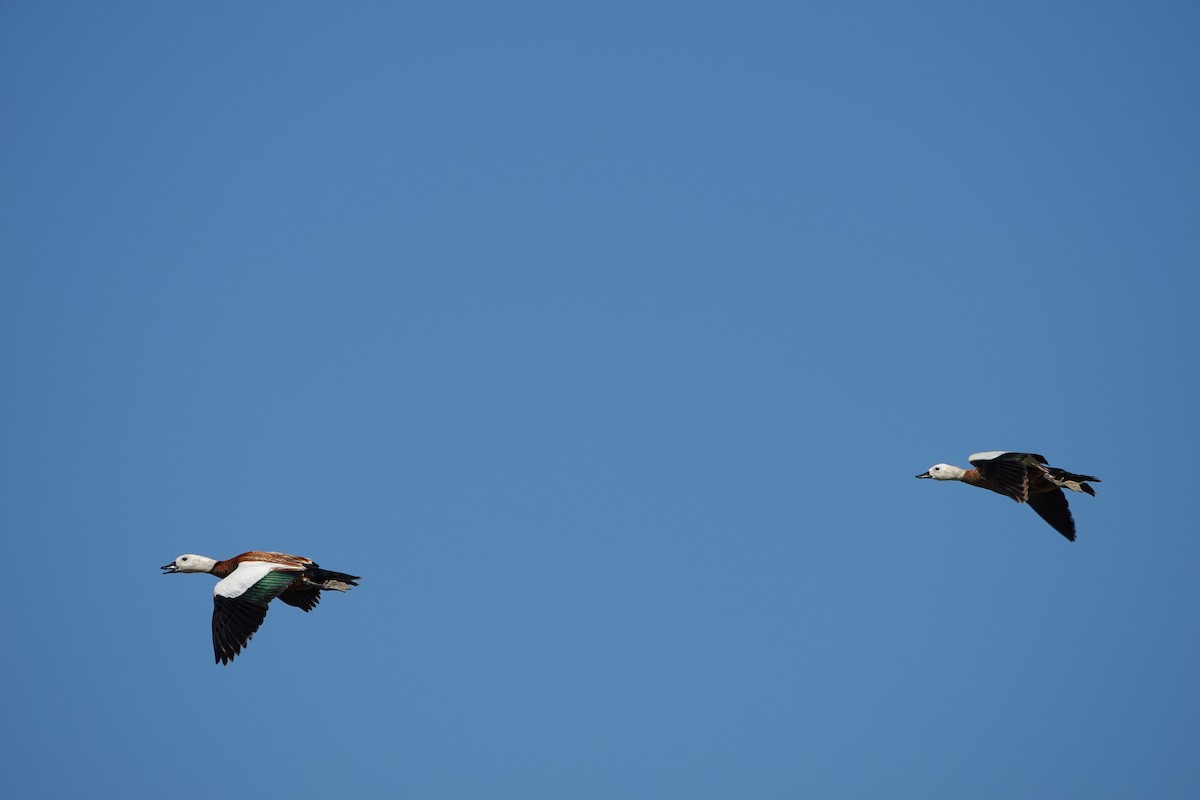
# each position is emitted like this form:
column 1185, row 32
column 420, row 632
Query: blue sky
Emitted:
column 604, row 341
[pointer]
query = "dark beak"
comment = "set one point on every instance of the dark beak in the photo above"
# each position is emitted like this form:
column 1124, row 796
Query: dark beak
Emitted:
column 169, row 568
column 925, row 474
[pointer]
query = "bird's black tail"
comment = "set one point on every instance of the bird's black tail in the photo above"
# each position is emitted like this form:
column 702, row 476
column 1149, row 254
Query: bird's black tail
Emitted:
column 328, row 579
column 1070, row 480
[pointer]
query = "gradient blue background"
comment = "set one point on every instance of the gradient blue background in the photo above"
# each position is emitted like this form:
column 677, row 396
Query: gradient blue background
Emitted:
column 604, row 340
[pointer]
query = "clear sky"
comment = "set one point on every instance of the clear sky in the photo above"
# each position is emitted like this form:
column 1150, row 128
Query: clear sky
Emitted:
column 604, row 341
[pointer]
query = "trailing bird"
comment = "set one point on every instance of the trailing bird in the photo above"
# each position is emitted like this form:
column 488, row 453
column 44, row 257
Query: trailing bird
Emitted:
column 1026, row 478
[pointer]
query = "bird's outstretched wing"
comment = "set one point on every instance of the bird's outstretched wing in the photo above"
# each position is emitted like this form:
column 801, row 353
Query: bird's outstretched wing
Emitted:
column 240, row 604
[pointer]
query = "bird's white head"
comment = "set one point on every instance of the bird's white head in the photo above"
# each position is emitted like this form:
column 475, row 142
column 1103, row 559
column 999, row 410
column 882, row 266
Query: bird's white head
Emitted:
column 944, row 472
column 190, row 563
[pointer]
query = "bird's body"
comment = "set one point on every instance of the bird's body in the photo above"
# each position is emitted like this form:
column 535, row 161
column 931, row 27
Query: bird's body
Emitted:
column 249, row 582
column 1026, row 478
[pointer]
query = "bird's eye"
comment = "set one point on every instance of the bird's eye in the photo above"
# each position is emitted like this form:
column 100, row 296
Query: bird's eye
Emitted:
column 183, row 559
column 935, row 469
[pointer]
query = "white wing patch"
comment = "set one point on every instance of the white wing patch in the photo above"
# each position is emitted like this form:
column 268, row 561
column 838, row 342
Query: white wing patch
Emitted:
column 246, row 575
column 988, row 456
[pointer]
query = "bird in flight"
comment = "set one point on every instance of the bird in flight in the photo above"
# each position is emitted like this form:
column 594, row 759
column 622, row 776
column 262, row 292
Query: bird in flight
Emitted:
column 1026, row 478
column 249, row 582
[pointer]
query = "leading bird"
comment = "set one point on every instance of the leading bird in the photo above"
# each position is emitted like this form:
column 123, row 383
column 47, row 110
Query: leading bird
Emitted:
column 249, row 582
